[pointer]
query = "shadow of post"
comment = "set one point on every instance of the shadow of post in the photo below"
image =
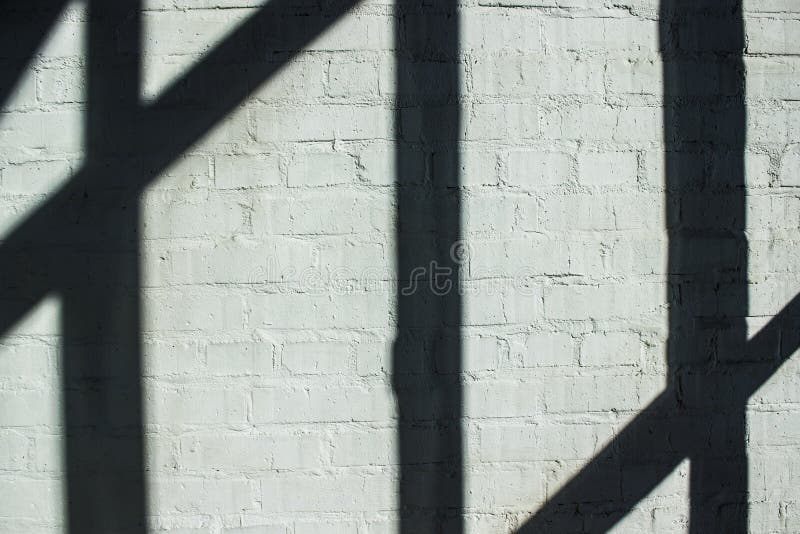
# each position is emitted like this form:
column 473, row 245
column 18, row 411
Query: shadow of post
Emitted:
column 82, row 243
column 702, row 43
column 101, row 357
column 712, row 370
column 426, row 363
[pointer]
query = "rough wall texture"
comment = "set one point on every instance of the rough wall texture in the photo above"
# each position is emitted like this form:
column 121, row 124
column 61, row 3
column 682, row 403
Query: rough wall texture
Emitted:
column 269, row 290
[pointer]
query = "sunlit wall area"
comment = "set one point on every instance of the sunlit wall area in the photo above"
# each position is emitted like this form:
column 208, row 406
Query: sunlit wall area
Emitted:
column 268, row 299
column 565, row 312
column 41, row 145
column 771, row 170
column 400, row 267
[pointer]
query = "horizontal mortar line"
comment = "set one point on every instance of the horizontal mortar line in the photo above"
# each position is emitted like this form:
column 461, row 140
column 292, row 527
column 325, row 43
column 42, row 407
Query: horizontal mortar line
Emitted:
column 653, row 412
column 159, row 148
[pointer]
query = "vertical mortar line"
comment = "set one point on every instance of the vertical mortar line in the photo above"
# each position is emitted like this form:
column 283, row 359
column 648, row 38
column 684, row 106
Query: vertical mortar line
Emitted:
column 104, row 443
column 426, row 360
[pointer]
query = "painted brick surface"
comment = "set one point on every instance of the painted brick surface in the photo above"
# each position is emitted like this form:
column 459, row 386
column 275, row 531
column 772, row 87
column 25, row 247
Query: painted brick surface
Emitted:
column 268, row 268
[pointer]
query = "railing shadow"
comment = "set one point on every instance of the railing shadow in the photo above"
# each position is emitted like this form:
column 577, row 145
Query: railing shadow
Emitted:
column 82, row 244
column 712, row 368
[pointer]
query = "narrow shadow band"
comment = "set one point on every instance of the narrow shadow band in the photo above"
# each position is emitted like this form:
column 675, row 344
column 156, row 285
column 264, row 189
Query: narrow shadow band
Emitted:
column 426, row 363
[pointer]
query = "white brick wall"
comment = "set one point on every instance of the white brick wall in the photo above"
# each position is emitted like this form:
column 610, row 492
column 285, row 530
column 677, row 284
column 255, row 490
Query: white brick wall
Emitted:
column 268, row 254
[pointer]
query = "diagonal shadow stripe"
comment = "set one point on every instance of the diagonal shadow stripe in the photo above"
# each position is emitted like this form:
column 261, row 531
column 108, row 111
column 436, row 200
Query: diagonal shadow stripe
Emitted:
column 32, row 255
column 655, row 438
column 23, row 28
column 713, row 370
column 101, row 353
column 83, row 243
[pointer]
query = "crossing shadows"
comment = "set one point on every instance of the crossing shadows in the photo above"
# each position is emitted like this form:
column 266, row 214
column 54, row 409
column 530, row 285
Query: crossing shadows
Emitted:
column 82, row 244
column 711, row 370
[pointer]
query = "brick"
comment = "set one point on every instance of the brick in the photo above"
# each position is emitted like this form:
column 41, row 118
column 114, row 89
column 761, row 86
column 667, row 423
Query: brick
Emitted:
column 614, row 34
column 241, row 171
column 15, row 451
column 186, row 33
column 250, row 452
column 587, row 394
column 610, row 349
column 480, row 353
column 23, row 95
column 258, row 529
column 172, row 216
column 56, row 132
column 513, row 442
column 496, row 399
column 790, row 169
column 360, row 447
column 303, row 80
column 48, row 451
column 506, row 487
column 322, row 404
column 323, row 123
column 344, row 258
column 635, row 75
column 187, row 312
column 312, row 493
column 186, row 172
column 203, row 495
column 67, row 39
column 240, row 358
column 380, row 165
column 773, row 78
column 299, row 451
column 29, row 408
column 531, row 170
column 356, row 32
column 273, row 260
column 316, row 357
column 33, row 499
column 331, row 527
column 546, row 349
column 468, row 167
column 526, row 75
column 62, row 85
column 773, row 36
column 316, row 213
column 300, row 311
column 160, row 358
column 484, row 30
column 187, row 406
column 502, row 122
column 373, row 357
column 29, row 362
column 628, row 301
column 607, row 168
column 321, row 170
column 352, row 79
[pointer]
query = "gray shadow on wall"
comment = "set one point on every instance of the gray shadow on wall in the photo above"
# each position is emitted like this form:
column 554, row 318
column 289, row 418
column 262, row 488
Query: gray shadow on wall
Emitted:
column 82, row 243
column 712, row 367
column 23, row 28
column 426, row 361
